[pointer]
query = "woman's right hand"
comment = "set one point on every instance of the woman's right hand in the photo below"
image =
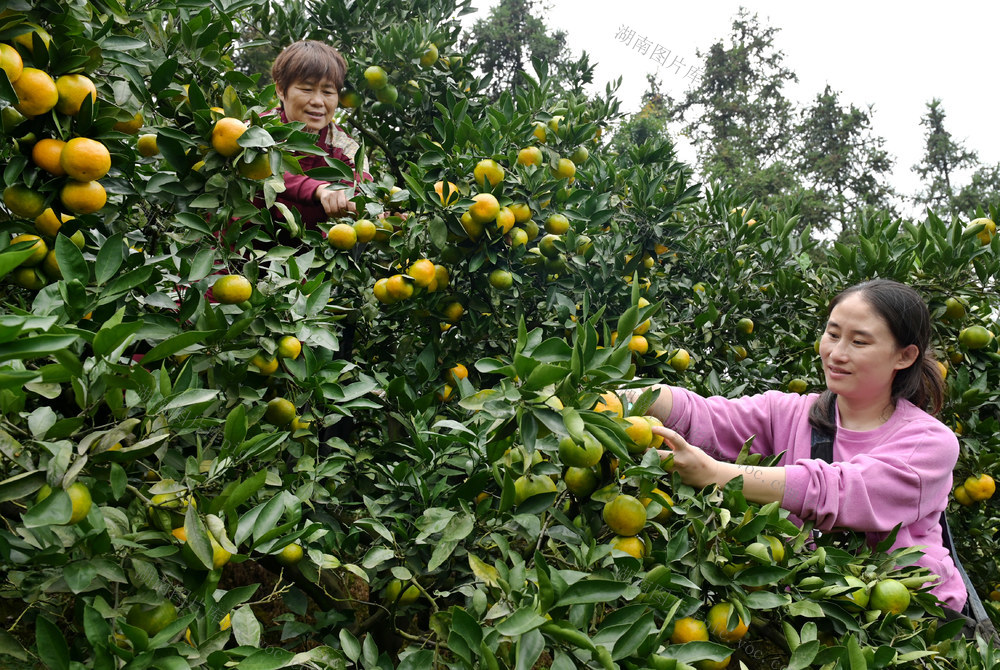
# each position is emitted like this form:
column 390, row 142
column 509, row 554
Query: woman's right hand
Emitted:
column 335, row 201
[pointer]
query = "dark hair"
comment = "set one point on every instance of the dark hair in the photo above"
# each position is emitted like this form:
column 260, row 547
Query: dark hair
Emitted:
column 909, row 321
column 308, row 60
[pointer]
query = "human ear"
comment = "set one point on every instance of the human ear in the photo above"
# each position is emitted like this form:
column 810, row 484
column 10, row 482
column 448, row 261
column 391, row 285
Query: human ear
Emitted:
column 907, row 356
column 281, row 94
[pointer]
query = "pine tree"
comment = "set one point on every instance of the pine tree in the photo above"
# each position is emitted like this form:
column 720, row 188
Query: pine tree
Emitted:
column 943, row 158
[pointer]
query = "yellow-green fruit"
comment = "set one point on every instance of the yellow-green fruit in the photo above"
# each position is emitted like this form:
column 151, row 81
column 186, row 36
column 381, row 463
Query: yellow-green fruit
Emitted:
column 625, row 515
column 640, row 433
column 152, row 619
column 584, row 454
column 975, row 337
column 376, row 77
column 531, row 485
column 79, row 495
column 430, row 55
column 501, row 279
column 889, row 596
column 290, row 554
column 407, row 597
column 280, row 412
column 289, row 346
column 581, row 482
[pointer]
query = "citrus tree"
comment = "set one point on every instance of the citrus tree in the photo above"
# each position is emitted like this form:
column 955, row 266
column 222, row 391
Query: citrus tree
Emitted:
column 396, row 440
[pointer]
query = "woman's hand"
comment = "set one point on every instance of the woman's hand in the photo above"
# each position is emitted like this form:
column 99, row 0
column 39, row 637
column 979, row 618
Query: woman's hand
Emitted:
column 334, row 200
column 695, row 467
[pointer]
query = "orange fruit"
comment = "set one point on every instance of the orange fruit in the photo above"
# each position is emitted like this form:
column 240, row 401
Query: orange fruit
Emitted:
column 689, row 629
column 399, row 287
column 630, row 545
column 28, row 278
column 580, row 155
column 289, row 346
column 27, row 39
column 975, row 337
column 640, row 433
column 365, row 230
column 625, row 515
column 146, row 145
column 40, row 249
column 488, row 170
column 46, row 153
column 889, row 596
column 581, row 482
column 152, row 618
column 10, row 62
column 557, row 224
column 954, row 309
column 565, row 169
column 23, row 202
column 290, row 554
column 36, row 92
column 521, row 212
column 744, row 326
column 962, row 496
column 530, row 156
column 47, row 223
column 458, row 372
column 83, row 197
column 485, row 208
column 665, row 510
column 638, row 344
column 73, row 89
column 610, row 402
column 441, row 276
column 505, row 220
column 797, row 386
column 132, row 126
column 539, row 132
column 342, row 236
column 394, row 593
column 258, row 169
column 453, row 312
column 422, row 272
column 85, row 159
column 376, row 77
column 718, row 623
column 279, row 411
column 452, row 192
column 527, row 486
column 501, row 279
column 267, row 366
column 980, row 488
column 472, row 228
column 226, row 132
column 430, row 55
column 680, row 360
column 584, row 454
column 79, row 495
column 989, row 230
column 51, row 265
column 231, row 289
column 444, row 393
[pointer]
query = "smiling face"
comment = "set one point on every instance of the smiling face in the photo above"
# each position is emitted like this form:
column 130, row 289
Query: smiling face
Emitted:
column 311, row 103
column 859, row 353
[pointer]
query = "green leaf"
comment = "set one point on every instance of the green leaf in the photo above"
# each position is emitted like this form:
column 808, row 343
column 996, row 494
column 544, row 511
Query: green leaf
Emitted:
column 22, row 485
column 242, row 492
column 173, row 344
column 202, row 265
column 419, row 660
column 79, row 575
column 483, row 572
column 236, row 426
column 591, row 591
column 109, row 338
column 35, row 346
column 119, row 481
column 71, row 262
column 574, row 423
column 529, row 648
column 56, row 510
column 110, row 257
column 51, row 643
column 197, row 537
column 12, row 259
column 803, row 655
column 271, row 658
column 520, row 622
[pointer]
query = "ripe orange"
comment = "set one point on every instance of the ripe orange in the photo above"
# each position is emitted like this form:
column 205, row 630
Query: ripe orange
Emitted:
column 258, row 169
column 458, row 372
column 665, row 510
column 399, row 287
column 47, row 223
column 527, row 486
column 581, row 482
column 422, row 272
column 657, row 439
column 488, row 170
column 718, row 623
column 231, row 289
column 889, row 596
column 146, row 145
column 224, row 135
column 85, row 159
column 565, row 169
column 132, row 126
column 505, row 220
column 585, row 454
column 23, row 202
column 452, row 192
column 530, row 156
column 453, row 312
column 51, row 265
column 638, row 344
column 980, row 488
column 350, row 99
column 342, row 236
column 625, row 515
column 365, row 230
column 36, row 92
column 484, row 209
column 441, row 276
column 46, row 153
column 557, row 224
column 539, row 132
column 380, row 291
column 610, row 402
column 40, row 249
column 279, row 411
column 27, row 40
column 630, row 545
column 989, row 230
column 10, row 62
column 83, row 197
column 521, row 212
column 689, row 629
column 267, row 366
column 73, row 89
column 289, row 346
column 640, row 433
column 518, row 238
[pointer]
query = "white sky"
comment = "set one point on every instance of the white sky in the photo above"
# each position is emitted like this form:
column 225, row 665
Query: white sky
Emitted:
column 895, row 56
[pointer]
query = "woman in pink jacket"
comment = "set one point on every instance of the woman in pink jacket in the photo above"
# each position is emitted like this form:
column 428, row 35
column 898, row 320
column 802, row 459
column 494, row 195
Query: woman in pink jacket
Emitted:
column 892, row 461
column 308, row 76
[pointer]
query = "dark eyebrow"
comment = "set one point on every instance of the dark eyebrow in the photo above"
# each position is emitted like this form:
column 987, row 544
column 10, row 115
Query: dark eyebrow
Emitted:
column 862, row 333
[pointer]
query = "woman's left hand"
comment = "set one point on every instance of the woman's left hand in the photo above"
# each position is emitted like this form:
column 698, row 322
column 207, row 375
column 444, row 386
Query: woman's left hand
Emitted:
column 695, row 467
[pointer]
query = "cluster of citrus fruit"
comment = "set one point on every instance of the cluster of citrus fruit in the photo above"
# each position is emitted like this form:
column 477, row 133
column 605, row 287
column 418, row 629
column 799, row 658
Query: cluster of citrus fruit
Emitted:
column 975, row 488
column 421, row 275
column 345, row 236
column 225, row 140
column 289, row 347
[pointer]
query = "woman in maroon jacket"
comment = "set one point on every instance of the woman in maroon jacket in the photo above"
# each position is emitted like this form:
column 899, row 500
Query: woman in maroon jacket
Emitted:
column 308, row 76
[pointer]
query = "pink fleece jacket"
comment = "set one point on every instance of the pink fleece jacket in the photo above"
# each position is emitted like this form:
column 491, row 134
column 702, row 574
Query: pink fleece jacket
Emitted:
column 898, row 473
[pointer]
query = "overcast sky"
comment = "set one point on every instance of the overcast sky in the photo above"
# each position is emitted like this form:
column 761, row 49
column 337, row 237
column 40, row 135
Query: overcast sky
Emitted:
column 895, row 56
